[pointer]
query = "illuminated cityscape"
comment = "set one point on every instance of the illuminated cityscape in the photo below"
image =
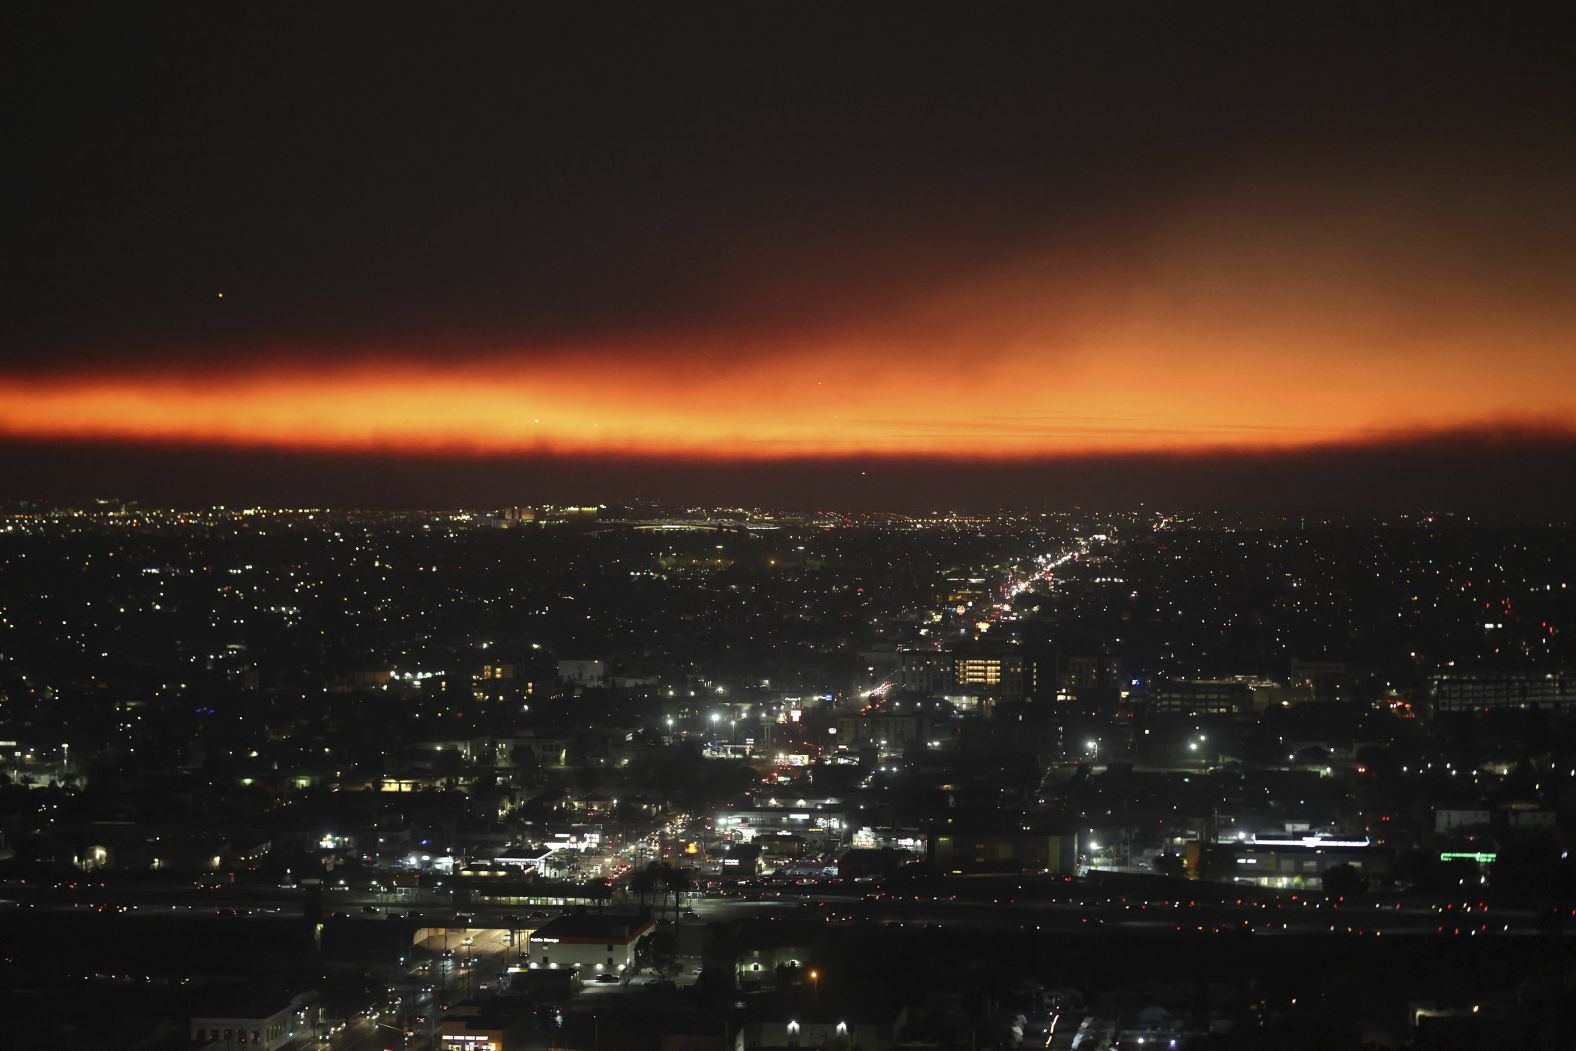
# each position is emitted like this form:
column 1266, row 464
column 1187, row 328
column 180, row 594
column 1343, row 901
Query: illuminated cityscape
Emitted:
column 788, row 527
column 445, row 779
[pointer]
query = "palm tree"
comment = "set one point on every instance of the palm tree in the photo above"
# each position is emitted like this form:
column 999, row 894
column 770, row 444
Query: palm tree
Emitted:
column 644, row 882
column 677, row 881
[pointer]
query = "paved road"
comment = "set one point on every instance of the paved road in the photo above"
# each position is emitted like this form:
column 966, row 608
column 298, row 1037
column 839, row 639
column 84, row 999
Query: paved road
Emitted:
column 1302, row 915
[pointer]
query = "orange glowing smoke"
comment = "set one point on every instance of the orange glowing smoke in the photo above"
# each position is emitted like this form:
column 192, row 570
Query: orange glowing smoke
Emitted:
column 1234, row 327
column 812, row 404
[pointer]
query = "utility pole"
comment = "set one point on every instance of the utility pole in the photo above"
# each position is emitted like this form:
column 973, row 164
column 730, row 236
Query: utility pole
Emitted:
column 443, row 966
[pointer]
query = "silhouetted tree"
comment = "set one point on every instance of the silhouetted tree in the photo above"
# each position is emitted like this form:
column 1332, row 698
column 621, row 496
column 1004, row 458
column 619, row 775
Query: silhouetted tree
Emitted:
column 677, row 881
column 1341, row 880
column 646, row 882
column 663, row 953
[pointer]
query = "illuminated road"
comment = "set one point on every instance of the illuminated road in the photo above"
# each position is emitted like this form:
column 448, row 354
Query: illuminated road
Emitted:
column 1303, row 915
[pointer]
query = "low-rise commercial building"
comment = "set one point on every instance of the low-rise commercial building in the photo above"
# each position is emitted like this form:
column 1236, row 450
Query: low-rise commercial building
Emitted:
column 1479, row 691
column 589, row 943
column 1294, row 863
column 471, row 1027
column 245, row 1025
column 1005, row 852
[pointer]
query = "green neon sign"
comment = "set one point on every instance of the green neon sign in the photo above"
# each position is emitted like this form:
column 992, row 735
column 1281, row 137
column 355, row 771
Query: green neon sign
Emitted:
column 1479, row 857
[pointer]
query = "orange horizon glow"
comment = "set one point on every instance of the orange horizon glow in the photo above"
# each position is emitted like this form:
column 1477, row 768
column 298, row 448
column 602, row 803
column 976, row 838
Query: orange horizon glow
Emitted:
column 826, row 404
column 1234, row 328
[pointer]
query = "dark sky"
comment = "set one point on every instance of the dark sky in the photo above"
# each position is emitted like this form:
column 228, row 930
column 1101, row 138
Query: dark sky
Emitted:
column 519, row 246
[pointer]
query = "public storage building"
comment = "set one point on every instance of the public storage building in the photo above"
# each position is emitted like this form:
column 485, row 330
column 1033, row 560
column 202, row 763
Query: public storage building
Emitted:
column 589, row 943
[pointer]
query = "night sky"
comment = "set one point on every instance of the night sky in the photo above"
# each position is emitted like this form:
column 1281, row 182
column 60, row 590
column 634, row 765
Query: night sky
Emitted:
column 893, row 255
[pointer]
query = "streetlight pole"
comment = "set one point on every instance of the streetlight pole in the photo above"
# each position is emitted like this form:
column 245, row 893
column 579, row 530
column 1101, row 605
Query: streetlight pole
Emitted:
column 443, row 966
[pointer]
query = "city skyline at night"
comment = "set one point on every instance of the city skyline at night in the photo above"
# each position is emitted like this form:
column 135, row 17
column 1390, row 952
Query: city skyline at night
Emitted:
column 785, row 526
